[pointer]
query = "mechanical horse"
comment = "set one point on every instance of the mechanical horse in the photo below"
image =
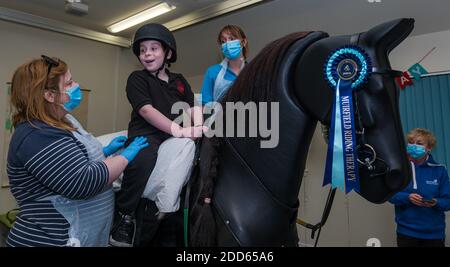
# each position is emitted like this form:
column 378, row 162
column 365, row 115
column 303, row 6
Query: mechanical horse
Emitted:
column 245, row 195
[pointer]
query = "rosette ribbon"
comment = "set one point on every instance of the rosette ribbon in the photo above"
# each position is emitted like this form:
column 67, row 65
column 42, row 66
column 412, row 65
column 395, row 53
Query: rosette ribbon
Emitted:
column 346, row 69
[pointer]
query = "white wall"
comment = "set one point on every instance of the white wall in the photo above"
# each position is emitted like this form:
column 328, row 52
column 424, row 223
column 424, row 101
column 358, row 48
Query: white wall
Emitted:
column 411, row 51
column 127, row 63
column 100, row 67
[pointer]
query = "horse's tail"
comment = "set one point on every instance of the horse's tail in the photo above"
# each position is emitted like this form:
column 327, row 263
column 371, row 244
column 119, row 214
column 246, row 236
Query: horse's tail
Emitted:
column 203, row 228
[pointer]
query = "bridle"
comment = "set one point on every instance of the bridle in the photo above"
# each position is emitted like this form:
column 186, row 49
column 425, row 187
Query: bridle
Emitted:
column 368, row 158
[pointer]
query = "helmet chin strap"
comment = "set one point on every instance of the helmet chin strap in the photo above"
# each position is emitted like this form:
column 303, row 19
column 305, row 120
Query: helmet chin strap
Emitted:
column 163, row 65
column 161, row 68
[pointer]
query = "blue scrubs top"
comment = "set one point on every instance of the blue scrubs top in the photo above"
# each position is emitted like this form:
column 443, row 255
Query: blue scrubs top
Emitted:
column 207, row 92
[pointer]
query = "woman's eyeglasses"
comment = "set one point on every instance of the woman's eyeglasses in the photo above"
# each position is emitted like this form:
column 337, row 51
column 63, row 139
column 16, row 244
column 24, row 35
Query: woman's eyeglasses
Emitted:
column 50, row 62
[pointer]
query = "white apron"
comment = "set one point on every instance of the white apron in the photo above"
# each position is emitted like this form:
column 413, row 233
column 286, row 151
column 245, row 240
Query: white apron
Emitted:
column 90, row 219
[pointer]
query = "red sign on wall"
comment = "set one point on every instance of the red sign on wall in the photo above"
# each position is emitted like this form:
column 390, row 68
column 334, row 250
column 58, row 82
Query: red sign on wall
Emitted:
column 404, row 80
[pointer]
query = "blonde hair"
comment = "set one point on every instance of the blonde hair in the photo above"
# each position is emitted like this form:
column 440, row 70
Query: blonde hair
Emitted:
column 425, row 133
column 29, row 83
column 237, row 32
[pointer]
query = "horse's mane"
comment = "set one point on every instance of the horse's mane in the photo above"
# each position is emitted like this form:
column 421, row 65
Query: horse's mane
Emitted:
column 256, row 83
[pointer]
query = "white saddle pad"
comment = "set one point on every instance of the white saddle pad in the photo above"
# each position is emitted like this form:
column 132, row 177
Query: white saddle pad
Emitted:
column 172, row 171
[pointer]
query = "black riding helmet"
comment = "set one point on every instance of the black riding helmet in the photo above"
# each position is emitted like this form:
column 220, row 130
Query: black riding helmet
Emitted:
column 155, row 31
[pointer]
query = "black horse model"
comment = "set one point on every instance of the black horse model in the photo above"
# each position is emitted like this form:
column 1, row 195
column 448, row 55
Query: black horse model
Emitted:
column 246, row 195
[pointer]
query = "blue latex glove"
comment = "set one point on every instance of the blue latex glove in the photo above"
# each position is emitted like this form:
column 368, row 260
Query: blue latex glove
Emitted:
column 133, row 149
column 116, row 144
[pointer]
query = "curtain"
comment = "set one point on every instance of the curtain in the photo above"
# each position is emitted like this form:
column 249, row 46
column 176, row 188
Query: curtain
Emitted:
column 426, row 104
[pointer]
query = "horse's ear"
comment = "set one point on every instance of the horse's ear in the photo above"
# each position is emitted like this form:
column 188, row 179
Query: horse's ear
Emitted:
column 388, row 35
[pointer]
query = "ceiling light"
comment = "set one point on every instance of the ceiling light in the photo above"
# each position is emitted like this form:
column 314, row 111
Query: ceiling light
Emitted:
column 76, row 7
column 141, row 17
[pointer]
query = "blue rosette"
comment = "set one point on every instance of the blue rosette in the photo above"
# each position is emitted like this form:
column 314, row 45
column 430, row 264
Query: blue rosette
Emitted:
column 353, row 56
column 346, row 69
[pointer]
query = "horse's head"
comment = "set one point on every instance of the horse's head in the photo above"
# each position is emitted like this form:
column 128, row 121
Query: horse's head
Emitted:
column 386, row 169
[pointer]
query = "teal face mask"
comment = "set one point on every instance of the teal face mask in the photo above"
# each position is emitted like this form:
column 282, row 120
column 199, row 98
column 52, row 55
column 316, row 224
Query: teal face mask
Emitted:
column 232, row 49
column 75, row 97
column 416, row 151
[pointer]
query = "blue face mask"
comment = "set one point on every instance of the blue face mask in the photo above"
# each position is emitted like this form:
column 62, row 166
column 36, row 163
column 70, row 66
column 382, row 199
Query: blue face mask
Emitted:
column 75, row 97
column 232, row 49
column 416, row 151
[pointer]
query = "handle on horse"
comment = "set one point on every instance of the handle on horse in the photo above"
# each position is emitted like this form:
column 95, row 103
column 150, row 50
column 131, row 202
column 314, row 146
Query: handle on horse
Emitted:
column 326, row 212
column 188, row 191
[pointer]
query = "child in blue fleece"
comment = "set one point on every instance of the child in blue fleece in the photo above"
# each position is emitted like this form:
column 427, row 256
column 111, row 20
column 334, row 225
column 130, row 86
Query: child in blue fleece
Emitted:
column 420, row 207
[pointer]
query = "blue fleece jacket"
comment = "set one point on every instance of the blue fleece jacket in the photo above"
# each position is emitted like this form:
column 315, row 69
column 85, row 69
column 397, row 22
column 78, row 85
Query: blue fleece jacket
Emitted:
column 421, row 222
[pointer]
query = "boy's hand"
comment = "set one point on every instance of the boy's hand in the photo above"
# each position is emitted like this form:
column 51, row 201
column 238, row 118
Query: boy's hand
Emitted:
column 193, row 132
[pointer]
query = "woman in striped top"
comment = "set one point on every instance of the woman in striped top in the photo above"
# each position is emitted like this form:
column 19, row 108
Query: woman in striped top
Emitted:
column 46, row 160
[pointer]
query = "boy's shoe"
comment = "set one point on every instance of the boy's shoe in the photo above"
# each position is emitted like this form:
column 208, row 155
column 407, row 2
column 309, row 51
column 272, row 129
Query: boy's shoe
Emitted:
column 161, row 215
column 123, row 233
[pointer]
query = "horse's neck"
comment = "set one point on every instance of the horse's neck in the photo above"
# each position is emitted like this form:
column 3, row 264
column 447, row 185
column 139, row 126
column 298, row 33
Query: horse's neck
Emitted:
column 281, row 168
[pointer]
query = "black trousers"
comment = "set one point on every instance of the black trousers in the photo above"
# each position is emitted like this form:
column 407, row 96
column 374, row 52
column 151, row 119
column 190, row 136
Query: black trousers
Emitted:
column 154, row 232
column 408, row 241
column 135, row 178
column 150, row 231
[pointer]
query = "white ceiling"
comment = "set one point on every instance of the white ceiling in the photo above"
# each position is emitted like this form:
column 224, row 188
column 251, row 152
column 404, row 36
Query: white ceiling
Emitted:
column 330, row 15
column 103, row 13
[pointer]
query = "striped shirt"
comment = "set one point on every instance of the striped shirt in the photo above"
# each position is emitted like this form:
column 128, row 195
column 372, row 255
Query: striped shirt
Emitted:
column 44, row 161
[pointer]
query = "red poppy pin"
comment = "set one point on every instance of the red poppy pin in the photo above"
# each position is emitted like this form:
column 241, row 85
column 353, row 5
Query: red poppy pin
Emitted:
column 180, row 86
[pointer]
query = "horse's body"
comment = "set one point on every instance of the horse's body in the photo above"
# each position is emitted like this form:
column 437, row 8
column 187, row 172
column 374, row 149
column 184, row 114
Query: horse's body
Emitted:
column 255, row 193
